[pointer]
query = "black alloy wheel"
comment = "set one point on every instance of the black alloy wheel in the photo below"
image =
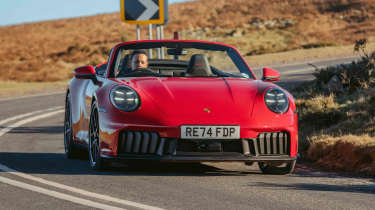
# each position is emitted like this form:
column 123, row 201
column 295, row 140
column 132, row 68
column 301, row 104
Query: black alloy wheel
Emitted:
column 96, row 161
column 70, row 148
column 277, row 168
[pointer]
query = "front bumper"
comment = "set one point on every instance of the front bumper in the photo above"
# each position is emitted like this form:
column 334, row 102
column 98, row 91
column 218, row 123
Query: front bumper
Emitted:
column 203, row 158
column 143, row 145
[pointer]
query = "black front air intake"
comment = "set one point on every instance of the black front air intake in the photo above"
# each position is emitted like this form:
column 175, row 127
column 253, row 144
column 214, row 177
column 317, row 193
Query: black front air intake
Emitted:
column 277, row 143
column 150, row 143
column 141, row 142
column 267, row 144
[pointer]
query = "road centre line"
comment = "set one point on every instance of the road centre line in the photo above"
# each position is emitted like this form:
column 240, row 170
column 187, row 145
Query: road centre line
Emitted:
column 28, row 120
column 57, row 194
column 55, row 184
column 28, row 114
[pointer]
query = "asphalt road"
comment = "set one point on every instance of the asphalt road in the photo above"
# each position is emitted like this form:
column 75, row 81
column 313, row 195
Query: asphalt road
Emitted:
column 34, row 173
column 294, row 74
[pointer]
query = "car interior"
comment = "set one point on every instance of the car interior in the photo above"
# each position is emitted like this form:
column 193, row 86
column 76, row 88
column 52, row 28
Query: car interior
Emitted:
column 197, row 66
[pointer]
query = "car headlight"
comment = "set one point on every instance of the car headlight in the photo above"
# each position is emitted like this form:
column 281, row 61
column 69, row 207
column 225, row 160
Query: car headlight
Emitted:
column 125, row 98
column 276, row 100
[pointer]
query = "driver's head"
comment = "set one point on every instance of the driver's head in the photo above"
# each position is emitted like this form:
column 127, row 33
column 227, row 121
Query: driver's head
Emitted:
column 139, row 59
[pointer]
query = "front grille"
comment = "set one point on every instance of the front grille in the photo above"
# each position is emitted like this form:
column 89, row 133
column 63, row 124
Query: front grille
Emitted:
column 141, row 142
column 277, row 143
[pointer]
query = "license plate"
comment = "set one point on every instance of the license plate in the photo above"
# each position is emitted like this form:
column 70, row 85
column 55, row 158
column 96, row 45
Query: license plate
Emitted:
column 210, row 132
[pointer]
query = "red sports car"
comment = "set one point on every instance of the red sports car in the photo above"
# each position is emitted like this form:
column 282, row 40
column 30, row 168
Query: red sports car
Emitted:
column 199, row 102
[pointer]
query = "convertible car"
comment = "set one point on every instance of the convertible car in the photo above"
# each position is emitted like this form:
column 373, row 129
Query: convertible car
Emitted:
column 199, row 102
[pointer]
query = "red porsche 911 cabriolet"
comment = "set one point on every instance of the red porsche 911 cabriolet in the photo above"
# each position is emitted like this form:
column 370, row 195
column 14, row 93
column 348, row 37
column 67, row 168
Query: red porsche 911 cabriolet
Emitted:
column 200, row 103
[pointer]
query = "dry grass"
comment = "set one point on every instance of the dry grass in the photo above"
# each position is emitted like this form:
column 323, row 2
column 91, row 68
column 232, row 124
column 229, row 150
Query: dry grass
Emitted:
column 355, row 154
column 335, row 115
column 47, row 51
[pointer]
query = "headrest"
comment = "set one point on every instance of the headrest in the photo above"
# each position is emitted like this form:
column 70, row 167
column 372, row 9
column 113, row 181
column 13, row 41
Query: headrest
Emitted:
column 125, row 65
column 198, row 66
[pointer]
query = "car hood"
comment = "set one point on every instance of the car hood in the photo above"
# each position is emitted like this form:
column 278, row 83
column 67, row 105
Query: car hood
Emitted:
column 207, row 99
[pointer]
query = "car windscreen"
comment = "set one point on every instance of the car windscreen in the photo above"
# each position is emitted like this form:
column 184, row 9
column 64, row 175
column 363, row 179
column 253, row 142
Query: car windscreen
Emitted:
column 180, row 60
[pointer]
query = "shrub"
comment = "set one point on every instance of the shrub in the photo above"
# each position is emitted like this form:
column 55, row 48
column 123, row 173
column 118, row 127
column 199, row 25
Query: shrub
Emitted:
column 354, row 76
column 348, row 112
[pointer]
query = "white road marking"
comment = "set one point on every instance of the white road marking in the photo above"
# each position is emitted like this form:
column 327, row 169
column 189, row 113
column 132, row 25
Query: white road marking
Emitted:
column 55, row 184
column 28, row 114
column 28, row 120
column 57, row 194
column 75, row 190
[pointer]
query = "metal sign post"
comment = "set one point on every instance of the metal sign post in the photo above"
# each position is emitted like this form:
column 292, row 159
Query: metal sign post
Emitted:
column 150, row 38
column 162, row 37
column 158, row 38
column 138, row 31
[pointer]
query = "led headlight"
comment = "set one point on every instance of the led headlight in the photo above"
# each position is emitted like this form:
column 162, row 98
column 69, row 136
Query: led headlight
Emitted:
column 276, row 100
column 125, row 98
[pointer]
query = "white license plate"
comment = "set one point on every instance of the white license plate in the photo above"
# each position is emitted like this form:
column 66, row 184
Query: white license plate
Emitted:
column 210, row 132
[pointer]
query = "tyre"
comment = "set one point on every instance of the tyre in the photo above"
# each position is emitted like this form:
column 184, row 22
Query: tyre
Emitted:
column 277, row 168
column 96, row 161
column 71, row 150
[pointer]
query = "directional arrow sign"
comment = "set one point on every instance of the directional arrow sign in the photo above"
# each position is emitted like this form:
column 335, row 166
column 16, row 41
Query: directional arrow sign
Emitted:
column 144, row 11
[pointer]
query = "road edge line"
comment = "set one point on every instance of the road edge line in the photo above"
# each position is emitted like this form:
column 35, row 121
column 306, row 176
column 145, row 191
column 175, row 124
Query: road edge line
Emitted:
column 62, row 186
column 58, row 195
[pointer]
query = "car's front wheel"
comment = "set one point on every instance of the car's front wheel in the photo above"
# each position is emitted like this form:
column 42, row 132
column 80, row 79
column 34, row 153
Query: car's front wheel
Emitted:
column 277, row 168
column 71, row 150
column 96, row 161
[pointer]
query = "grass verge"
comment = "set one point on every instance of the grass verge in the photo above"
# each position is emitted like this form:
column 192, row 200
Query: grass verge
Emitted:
column 337, row 116
column 349, row 153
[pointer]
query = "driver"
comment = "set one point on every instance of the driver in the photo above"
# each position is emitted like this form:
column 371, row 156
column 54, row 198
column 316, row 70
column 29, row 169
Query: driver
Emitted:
column 139, row 59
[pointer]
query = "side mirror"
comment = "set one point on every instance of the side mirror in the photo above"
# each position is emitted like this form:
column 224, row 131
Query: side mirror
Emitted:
column 85, row 72
column 270, row 75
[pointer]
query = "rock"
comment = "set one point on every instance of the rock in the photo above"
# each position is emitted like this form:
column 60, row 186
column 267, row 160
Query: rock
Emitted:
column 235, row 33
column 270, row 24
column 334, row 85
column 206, row 30
column 285, row 23
column 255, row 21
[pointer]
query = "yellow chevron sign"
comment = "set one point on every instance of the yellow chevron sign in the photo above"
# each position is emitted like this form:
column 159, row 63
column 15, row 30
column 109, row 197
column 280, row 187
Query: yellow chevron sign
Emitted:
column 144, row 11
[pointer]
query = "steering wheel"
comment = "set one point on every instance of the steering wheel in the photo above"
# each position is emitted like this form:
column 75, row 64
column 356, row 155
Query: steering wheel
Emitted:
column 141, row 72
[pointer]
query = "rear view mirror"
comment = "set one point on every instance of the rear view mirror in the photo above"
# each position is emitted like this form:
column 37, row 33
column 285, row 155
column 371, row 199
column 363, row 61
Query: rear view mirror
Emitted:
column 176, row 51
column 270, row 75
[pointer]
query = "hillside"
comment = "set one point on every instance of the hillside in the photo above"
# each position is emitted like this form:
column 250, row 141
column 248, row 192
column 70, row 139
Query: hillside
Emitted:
column 48, row 51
